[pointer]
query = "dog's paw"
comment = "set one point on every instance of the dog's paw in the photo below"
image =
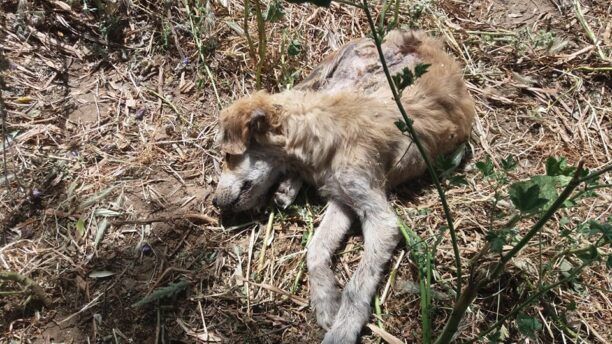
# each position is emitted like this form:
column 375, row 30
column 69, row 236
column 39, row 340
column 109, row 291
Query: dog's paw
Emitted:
column 340, row 336
column 287, row 191
column 283, row 200
column 326, row 310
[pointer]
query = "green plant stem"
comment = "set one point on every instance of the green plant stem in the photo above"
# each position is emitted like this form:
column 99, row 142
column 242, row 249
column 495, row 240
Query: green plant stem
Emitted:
column 461, row 305
column 9, row 293
column 396, row 14
column 529, row 300
column 37, row 291
column 413, row 134
column 596, row 174
column 301, row 267
column 247, row 35
column 261, row 47
column 383, row 14
column 596, row 187
column 378, row 311
column 576, row 251
column 421, row 255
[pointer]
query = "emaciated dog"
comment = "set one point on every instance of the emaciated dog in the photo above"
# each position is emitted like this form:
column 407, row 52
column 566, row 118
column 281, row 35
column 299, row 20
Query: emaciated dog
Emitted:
column 342, row 138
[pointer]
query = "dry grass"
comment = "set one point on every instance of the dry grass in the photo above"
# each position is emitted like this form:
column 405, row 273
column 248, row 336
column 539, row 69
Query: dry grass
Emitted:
column 107, row 124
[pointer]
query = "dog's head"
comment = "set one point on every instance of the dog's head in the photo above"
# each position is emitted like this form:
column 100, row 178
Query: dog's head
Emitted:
column 249, row 131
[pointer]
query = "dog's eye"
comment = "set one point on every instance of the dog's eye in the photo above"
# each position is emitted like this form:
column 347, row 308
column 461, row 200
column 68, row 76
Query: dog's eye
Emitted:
column 231, row 159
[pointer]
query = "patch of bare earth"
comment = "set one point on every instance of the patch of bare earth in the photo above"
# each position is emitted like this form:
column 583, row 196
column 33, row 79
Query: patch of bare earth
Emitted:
column 110, row 166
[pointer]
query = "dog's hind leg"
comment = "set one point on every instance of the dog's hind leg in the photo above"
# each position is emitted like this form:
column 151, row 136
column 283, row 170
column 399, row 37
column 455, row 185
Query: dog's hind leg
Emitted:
column 380, row 236
column 324, row 294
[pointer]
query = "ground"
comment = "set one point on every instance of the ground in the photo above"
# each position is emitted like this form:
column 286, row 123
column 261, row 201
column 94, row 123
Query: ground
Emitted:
column 111, row 116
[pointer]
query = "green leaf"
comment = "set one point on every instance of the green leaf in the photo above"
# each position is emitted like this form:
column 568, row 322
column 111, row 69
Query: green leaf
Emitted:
column 403, row 79
column 420, row 69
column 295, row 48
column 508, row 163
column 80, row 227
column 100, row 232
column 324, row 3
column 274, row 12
column 609, row 262
column 161, row 293
column 558, row 167
column 496, row 241
column 603, row 228
column 593, row 227
column 457, row 180
column 528, row 325
column 401, row 125
column 447, row 164
column 526, row 197
column 590, row 255
column 100, row 274
column 486, row 167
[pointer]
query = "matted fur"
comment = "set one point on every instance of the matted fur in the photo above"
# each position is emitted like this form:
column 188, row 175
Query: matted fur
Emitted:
column 344, row 141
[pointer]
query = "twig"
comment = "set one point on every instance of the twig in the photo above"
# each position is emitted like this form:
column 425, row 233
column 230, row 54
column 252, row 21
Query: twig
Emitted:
column 83, row 309
column 300, row 301
column 163, row 99
column 167, row 218
column 386, row 336
column 3, row 115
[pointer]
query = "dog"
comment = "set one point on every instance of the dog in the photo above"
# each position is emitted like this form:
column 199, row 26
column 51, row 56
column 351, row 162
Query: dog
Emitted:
column 343, row 140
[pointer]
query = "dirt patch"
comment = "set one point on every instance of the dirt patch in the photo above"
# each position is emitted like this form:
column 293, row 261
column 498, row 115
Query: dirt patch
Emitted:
column 513, row 13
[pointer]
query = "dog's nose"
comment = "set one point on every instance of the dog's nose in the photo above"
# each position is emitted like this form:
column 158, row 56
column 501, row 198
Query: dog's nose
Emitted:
column 215, row 201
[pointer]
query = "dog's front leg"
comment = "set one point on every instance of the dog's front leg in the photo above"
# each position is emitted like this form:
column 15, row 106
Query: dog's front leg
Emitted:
column 287, row 191
column 380, row 236
column 324, row 294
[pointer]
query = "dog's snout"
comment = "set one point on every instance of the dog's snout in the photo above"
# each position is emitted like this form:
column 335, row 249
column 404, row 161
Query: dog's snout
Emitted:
column 215, row 201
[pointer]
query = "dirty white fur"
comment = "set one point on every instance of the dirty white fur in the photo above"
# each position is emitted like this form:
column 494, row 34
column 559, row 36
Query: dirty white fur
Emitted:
column 347, row 145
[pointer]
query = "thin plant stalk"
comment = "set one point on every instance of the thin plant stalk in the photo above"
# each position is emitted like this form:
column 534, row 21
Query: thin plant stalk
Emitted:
column 245, row 27
column 414, row 136
column 396, row 14
column 261, row 47
column 422, row 257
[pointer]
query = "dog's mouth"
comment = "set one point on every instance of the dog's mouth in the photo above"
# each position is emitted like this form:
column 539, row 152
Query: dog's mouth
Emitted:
column 246, row 196
column 244, row 193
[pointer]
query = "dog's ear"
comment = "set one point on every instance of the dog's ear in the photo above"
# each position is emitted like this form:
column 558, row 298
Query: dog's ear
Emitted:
column 247, row 120
column 258, row 122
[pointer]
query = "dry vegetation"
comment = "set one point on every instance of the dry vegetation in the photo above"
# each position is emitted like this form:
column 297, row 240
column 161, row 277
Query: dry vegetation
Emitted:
column 111, row 113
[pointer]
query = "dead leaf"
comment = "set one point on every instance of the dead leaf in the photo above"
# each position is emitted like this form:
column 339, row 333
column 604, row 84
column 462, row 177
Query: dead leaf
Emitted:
column 202, row 336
